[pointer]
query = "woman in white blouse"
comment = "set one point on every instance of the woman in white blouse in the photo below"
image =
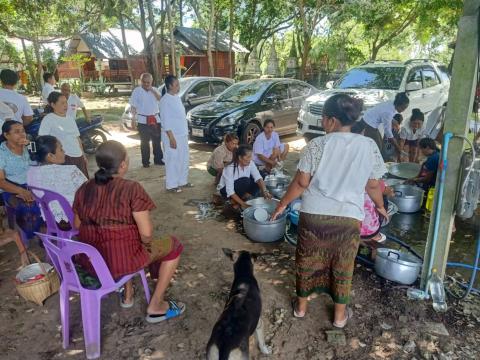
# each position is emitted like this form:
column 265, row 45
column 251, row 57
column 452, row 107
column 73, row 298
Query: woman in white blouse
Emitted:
column 51, row 174
column 333, row 174
column 65, row 129
column 241, row 179
column 411, row 133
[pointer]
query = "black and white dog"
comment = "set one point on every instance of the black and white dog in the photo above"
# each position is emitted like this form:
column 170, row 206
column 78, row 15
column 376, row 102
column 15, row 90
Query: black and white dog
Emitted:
column 241, row 315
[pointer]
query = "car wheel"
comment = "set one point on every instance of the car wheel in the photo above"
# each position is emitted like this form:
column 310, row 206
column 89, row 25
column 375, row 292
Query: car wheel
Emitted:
column 250, row 133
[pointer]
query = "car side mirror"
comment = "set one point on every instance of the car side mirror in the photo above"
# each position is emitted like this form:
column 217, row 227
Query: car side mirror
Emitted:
column 413, row 86
column 329, row 85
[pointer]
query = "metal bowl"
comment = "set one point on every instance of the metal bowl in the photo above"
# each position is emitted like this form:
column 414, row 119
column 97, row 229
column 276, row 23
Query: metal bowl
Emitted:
column 404, row 170
column 261, row 201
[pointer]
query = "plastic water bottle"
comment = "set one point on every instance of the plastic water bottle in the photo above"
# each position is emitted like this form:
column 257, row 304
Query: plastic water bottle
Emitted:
column 437, row 292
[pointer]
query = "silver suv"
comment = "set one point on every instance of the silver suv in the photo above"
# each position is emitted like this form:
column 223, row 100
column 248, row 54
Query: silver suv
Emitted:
column 425, row 81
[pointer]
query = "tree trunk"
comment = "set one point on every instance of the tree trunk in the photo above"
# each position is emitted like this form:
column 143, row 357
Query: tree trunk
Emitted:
column 29, row 62
column 211, row 24
column 173, row 61
column 305, row 53
column 125, row 47
column 143, row 32
column 162, row 34
column 180, row 10
column 230, row 44
column 38, row 58
column 153, row 48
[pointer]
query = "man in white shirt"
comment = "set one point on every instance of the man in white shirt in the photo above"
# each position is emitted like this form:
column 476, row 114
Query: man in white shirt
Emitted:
column 144, row 109
column 5, row 113
column 382, row 114
column 74, row 102
column 18, row 103
column 48, row 86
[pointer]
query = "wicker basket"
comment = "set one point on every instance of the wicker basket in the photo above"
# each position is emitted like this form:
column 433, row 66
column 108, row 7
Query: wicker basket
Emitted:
column 38, row 290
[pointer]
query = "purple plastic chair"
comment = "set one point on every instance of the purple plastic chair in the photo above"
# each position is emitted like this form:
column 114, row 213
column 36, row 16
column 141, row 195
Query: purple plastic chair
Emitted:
column 62, row 251
column 44, row 201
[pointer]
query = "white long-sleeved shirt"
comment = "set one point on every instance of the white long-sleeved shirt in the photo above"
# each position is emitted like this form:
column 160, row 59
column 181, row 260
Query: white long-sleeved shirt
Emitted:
column 232, row 173
column 381, row 114
column 172, row 115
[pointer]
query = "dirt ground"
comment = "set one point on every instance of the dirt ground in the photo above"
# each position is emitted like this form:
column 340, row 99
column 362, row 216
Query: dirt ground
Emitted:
column 385, row 325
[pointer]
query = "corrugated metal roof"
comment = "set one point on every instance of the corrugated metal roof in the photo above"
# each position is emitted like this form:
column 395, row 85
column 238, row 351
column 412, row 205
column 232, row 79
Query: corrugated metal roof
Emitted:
column 198, row 39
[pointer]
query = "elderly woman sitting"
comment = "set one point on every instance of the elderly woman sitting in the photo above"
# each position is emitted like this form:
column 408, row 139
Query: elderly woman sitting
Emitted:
column 113, row 215
column 222, row 156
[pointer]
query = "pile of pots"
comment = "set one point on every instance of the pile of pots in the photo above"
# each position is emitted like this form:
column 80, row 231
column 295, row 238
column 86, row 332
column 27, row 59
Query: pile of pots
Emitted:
column 257, row 224
column 277, row 185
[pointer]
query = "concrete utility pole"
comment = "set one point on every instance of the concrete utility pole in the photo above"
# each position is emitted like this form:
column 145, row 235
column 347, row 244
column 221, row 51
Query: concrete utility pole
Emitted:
column 459, row 107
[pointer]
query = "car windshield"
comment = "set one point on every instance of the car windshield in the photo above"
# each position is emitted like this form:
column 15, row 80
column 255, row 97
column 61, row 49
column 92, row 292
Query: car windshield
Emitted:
column 184, row 85
column 245, row 92
column 387, row 78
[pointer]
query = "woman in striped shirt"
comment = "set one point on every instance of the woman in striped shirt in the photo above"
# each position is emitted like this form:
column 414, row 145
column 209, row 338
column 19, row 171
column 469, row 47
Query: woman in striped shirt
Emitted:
column 113, row 215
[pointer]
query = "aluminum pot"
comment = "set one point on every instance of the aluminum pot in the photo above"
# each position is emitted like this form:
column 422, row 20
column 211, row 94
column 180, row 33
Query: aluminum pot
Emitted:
column 277, row 185
column 264, row 231
column 408, row 198
column 397, row 266
column 406, row 170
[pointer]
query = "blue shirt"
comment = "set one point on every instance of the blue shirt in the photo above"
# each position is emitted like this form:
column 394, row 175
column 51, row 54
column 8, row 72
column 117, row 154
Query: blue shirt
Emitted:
column 431, row 165
column 14, row 166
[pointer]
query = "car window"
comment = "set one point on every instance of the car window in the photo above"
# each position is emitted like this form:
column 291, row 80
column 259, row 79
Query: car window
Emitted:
column 385, row 77
column 415, row 76
column 244, row 91
column 430, row 77
column 202, row 89
column 219, row 87
column 444, row 74
column 299, row 89
column 279, row 92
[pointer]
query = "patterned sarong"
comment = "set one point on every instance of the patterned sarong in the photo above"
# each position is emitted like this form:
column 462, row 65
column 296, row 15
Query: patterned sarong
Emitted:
column 325, row 257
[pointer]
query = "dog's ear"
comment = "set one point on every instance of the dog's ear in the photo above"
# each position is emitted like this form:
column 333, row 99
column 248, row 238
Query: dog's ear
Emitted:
column 228, row 253
column 255, row 256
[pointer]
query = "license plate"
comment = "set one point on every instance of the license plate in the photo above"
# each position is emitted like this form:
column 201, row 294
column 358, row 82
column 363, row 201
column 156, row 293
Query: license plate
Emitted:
column 197, row 132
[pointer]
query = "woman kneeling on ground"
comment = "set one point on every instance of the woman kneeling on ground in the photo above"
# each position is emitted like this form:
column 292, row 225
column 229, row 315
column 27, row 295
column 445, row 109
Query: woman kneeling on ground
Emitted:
column 332, row 206
column 241, row 179
column 268, row 151
column 222, row 156
column 113, row 215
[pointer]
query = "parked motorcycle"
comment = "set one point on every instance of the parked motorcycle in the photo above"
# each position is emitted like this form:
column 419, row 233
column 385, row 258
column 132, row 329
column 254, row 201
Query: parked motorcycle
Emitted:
column 92, row 134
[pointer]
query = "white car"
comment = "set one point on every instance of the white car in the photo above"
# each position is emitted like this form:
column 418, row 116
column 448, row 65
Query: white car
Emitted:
column 425, row 81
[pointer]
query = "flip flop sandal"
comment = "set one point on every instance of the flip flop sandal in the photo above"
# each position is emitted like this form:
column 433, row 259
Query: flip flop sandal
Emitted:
column 294, row 307
column 342, row 324
column 123, row 304
column 187, row 185
column 174, row 190
column 175, row 309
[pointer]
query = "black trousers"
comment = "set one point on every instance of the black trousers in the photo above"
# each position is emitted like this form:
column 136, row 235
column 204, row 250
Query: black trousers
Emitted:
column 243, row 186
column 150, row 133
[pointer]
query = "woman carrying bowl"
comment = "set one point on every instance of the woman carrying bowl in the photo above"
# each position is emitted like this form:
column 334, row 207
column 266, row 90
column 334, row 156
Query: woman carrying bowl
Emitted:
column 333, row 174
column 241, row 179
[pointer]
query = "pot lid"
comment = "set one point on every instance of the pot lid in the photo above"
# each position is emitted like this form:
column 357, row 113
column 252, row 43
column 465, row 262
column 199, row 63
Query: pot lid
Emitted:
column 399, row 257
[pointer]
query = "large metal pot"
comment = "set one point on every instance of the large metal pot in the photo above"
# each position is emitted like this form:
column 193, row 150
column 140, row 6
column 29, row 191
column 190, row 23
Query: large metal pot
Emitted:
column 277, row 185
column 397, row 266
column 408, row 198
column 264, row 231
column 404, row 170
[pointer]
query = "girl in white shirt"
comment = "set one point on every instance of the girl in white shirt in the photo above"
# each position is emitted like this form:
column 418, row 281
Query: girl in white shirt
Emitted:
column 51, row 174
column 333, row 174
column 241, row 179
column 411, row 133
column 65, row 129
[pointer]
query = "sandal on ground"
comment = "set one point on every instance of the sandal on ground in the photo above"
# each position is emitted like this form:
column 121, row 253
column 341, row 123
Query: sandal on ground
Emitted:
column 187, row 185
column 382, row 239
column 123, row 304
column 175, row 309
column 294, row 307
column 343, row 323
column 174, row 190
